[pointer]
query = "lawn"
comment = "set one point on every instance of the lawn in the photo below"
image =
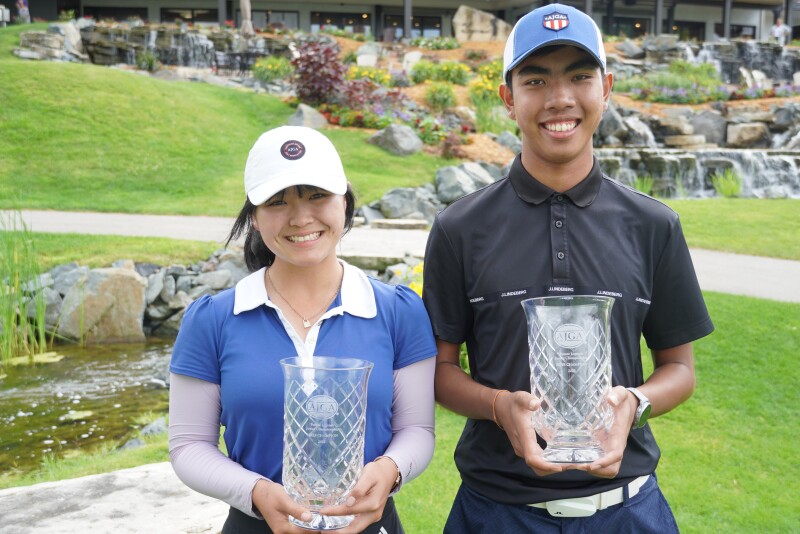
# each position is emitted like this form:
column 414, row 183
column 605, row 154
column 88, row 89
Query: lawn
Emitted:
column 84, row 137
column 728, row 453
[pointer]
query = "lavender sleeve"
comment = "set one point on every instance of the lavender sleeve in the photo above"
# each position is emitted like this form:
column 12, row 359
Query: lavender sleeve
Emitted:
column 194, row 411
column 413, row 436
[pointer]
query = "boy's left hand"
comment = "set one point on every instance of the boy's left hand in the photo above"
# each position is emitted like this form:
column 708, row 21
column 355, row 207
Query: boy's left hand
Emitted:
column 624, row 404
column 368, row 497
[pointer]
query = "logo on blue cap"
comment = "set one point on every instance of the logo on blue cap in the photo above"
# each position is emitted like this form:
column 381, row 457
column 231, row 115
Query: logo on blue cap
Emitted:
column 555, row 21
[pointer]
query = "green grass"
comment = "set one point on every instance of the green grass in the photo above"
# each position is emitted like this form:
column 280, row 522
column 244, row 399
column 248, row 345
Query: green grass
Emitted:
column 103, row 250
column 745, row 226
column 83, row 137
column 728, row 453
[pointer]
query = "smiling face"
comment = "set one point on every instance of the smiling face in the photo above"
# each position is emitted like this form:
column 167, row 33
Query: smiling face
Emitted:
column 301, row 225
column 557, row 97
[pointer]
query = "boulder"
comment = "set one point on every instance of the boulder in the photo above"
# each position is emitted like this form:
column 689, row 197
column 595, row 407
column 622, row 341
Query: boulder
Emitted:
column 107, row 307
column 452, row 183
column 748, row 135
column 470, row 24
column 713, row 126
column 398, row 139
column 307, row 116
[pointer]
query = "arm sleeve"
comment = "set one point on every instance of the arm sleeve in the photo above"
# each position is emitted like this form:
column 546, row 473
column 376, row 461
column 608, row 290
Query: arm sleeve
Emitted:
column 678, row 312
column 413, row 435
column 194, row 411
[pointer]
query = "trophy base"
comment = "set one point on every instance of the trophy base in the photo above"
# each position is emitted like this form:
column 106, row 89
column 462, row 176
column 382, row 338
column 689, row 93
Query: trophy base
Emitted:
column 323, row 522
column 572, row 449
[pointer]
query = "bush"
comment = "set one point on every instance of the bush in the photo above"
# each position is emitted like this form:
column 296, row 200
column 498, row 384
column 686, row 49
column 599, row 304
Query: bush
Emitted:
column 727, row 183
column 447, row 71
column 440, row 96
column 374, row 74
column 644, row 184
column 146, row 60
column 272, row 68
column 318, row 72
column 435, row 43
column 430, row 130
column 681, row 83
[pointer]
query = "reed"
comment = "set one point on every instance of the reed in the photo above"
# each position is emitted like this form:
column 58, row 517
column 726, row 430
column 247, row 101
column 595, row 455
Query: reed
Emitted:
column 20, row 293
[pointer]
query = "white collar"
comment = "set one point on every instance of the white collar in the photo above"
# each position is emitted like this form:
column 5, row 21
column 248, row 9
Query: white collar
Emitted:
column 358, row 298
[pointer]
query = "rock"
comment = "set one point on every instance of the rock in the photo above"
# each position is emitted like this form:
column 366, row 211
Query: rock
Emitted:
column 669, row 126
column 158, row 312
column 410, row 59
column 452, row 183
column 307, row 116
column 748, row 135
column 179, row 301
column 639, row 133
column 684, row 140
column 155, row 283
column 52, row 307
column 629, row 49
column 480, row 176
column 171, row 326
column 611, row 124
column 398, row 139
column 184, row 283
column 401, row 224
column 510, row 141
column 146, row 269
column 124, row 264
column 168, row 291
column 64, row 281
column 234, row 263
column 62, row 269
column 108, row 307
column 371, row 214
column 713, row 126
column 198, row 291
column 215, row 279
column 159, row 426
column 470, row 24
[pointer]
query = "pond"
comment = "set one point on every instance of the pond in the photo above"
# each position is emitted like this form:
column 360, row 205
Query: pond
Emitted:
column 95, row 395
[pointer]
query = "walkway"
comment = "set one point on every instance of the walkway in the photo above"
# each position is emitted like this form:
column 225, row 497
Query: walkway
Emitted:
column 736, row 274
column 150, row 498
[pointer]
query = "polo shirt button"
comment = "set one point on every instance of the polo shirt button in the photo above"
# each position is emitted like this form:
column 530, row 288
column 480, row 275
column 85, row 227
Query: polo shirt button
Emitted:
column 560, row 255
column 560, row 198
column 559, row 224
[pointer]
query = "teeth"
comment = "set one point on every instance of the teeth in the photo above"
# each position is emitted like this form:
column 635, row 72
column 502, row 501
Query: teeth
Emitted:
column 560, row 126
column 304, row 238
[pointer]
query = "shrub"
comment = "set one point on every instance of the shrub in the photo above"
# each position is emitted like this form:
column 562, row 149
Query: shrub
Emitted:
column 435, row 43
column 272, row 68
column 727, row 183
column 440, row 96
column 146, row 60
column 374, row 74
column 475, row 55
column 447, row 71
column 430, row 130
column 318, row 72
column 681, row 83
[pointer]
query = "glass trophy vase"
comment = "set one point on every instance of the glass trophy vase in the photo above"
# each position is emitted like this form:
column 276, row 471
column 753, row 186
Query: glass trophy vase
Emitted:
column 570, row 362
column 325, row 406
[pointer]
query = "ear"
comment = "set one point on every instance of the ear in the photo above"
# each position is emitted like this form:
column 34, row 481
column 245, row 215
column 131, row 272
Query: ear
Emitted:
column 254, row 222
column 508, row 100
column 608, row 83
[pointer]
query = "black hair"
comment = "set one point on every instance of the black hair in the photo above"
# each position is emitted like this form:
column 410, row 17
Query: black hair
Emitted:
column 256, row 253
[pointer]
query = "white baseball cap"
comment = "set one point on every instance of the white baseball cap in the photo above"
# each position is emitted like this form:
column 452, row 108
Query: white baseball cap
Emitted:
column 292, row 155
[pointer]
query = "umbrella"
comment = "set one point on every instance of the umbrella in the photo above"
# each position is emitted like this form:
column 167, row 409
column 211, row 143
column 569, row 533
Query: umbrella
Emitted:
column 247, row 22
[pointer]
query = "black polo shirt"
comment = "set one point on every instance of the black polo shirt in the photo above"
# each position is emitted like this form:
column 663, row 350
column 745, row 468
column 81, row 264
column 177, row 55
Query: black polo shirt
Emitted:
column 517, row 239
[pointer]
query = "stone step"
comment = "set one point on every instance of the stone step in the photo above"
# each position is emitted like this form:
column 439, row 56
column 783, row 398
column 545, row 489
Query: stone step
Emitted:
column 401, row 224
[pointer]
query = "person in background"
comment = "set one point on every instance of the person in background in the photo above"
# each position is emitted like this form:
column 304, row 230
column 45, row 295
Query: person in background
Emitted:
column 23, row 12
column 780, row 32
column 556, row 225
column 300, row 300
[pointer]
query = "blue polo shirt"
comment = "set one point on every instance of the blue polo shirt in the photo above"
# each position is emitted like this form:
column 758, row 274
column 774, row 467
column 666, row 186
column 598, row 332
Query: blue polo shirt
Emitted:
column 237, row 338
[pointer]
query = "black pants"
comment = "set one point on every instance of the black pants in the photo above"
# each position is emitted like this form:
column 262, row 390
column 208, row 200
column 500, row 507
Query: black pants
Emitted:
column 240, row 523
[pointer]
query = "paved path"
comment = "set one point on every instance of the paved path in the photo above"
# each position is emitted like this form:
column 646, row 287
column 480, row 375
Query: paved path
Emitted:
column 150, row 498
column 717, row 271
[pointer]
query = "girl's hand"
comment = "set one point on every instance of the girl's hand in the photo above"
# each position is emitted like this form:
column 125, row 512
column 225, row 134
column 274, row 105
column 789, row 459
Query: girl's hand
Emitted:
column 368, row 497
column 276, row 506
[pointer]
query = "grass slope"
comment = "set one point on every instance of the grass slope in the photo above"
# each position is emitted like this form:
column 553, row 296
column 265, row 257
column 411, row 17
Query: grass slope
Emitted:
column 83, row 137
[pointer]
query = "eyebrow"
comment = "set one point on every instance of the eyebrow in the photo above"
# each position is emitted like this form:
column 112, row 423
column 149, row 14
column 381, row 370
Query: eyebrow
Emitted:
column 582, row 64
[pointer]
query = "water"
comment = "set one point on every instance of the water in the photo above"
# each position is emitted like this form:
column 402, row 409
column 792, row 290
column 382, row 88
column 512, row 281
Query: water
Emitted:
column 91, row 397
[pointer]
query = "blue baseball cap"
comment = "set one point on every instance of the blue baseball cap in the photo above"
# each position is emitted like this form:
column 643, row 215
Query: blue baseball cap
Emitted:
column 553, row 24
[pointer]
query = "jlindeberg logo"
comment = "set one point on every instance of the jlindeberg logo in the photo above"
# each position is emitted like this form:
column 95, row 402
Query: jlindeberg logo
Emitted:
column 569, row 336
column 322, row 407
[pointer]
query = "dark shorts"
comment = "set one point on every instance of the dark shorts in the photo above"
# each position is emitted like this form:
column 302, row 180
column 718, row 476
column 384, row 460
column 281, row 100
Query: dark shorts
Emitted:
column 240, row 523
column 646, row 512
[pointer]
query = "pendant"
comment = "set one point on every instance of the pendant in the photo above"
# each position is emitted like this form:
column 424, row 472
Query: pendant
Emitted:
column 306, row 323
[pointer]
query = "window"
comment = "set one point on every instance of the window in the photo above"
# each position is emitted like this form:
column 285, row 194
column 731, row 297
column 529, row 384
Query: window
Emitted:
column 189, row 15
column 115, row 13
column 629, row 27
column 420, row 26
column 349, row 22
column 737, row 30
column 687, row 30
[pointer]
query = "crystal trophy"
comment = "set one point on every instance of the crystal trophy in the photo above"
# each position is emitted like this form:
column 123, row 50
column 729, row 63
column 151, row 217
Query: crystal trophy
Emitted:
column 325, row 407
column 570, row 362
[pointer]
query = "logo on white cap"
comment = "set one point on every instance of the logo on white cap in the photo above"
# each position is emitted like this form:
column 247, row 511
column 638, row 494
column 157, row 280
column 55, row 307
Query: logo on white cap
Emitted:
column 293, row 150
column 555, row 21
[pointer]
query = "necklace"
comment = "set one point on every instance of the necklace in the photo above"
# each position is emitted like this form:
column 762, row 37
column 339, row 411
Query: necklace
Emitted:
column 306, row 321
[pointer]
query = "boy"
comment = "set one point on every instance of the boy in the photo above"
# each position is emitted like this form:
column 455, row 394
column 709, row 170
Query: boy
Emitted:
column 556, row 225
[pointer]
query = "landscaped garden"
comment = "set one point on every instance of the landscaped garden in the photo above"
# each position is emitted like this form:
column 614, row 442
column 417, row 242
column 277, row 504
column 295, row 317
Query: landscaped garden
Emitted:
column 82, row 137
